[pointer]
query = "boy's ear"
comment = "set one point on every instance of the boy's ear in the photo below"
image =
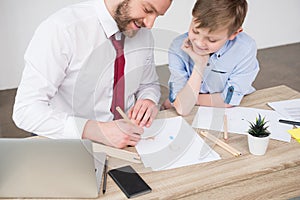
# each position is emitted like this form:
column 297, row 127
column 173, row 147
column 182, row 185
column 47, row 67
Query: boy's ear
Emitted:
column 233, row 35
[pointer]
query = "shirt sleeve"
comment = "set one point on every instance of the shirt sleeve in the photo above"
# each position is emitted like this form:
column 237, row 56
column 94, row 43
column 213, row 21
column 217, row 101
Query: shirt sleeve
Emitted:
column 149, row 87
column 179, row 70
column 46, row 61
column 240, row 80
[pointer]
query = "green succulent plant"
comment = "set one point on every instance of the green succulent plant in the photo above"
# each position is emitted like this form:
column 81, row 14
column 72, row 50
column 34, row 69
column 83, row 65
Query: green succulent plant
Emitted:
column 259, row 127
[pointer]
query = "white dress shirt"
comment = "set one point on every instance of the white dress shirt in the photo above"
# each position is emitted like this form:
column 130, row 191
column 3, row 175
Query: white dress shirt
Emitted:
column 69, row 71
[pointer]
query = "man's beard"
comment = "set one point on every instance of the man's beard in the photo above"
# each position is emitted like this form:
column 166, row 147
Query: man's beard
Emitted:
column 123, row 18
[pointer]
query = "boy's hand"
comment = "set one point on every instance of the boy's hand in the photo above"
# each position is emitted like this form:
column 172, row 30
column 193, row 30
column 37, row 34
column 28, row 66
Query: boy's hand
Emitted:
column 199, row 60
column 166, row 105
column 143, row 112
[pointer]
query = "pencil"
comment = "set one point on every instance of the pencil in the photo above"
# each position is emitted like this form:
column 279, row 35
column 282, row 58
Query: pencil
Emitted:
column 121, row 112
column 222, row 144
column 225, row 127
column 289, row 122
column 104, row 176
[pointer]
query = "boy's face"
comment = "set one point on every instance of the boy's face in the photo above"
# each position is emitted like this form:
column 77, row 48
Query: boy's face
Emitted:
column 205, row 42
column 131, row 15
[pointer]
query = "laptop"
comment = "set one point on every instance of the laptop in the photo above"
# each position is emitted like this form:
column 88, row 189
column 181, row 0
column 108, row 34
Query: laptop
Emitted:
column 45, row 168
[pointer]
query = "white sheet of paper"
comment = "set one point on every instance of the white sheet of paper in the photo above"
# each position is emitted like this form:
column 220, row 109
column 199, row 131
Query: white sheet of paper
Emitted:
column 164, row 131
column 238, row 119
column 290, row 109
column 199, row 152
column 176, row 145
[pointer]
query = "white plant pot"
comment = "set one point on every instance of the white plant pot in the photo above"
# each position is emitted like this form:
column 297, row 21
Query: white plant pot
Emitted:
column 258, row 146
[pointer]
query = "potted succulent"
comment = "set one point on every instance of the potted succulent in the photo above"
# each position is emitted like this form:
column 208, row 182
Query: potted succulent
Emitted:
column 258, row 136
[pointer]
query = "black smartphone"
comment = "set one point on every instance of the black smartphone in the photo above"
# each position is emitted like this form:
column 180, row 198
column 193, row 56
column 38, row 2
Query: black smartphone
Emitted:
column 129, row 181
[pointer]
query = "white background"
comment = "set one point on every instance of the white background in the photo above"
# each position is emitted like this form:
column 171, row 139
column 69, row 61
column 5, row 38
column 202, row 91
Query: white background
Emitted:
column 270, row 22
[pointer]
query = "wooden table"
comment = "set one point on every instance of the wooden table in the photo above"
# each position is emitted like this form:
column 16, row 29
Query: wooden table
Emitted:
column 276, row 175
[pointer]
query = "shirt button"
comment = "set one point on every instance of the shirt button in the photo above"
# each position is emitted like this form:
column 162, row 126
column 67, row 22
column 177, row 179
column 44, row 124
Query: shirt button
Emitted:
column 207, row 64
column 219, row 56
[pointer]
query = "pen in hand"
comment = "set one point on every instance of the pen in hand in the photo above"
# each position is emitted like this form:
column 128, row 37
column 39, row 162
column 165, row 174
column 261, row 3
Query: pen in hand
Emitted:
column 104, row 177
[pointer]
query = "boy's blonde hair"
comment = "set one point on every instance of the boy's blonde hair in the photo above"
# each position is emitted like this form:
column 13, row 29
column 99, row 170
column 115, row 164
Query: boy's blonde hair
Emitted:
column 219, row 14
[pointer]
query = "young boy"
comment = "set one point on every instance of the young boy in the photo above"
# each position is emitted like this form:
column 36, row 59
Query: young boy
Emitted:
column 214, row 64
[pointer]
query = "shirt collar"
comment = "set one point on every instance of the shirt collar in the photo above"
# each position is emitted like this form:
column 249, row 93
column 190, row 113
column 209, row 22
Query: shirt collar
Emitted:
column 221, row 51
column 108, row 23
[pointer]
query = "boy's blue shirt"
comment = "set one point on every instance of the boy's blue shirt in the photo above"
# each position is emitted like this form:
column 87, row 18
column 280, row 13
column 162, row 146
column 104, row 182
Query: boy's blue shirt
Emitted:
column 230, row 71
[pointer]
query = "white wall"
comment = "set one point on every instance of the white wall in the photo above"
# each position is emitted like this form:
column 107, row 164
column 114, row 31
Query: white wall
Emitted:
column 273, row 22
column 18, row 21
column 270, row 22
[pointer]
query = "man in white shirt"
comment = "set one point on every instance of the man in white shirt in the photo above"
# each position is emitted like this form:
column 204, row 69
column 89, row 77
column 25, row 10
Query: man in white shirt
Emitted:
column 66, row 89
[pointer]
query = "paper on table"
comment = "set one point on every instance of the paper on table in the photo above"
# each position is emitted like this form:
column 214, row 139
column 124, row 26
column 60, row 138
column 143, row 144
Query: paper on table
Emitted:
column 238, row 119
column 290, row 109
column 175, row 145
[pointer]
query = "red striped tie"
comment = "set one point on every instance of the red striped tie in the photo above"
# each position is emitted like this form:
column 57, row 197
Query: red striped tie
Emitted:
column 119, row 83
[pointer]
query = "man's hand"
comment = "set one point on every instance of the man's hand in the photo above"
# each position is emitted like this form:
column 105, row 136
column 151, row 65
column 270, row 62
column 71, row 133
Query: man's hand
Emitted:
column 143, row 112
column 118, row 133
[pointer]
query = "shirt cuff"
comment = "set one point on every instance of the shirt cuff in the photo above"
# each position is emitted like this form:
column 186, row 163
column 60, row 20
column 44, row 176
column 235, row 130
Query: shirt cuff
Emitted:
column 232, row 97
column 172, row 94
column 151, row 97
column 74, row 127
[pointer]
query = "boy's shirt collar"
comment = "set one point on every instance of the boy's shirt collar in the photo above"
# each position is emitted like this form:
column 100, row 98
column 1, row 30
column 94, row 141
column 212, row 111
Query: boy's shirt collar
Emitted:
column 220, row 52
